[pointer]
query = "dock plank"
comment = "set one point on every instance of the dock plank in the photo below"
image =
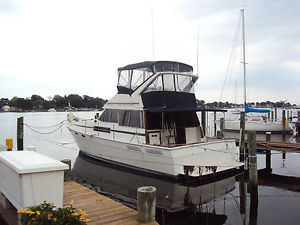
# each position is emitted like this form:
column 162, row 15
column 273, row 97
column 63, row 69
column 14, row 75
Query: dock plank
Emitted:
column 100, row 209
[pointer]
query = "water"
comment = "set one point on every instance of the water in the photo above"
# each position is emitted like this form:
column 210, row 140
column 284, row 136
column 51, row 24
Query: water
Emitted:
column 227, row 201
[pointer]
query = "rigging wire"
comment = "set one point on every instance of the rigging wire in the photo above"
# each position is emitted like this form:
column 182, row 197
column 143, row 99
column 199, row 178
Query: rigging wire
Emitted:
column 232, row 56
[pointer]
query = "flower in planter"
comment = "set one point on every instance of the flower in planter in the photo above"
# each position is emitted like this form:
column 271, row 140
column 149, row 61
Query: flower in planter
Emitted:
column 47, row 214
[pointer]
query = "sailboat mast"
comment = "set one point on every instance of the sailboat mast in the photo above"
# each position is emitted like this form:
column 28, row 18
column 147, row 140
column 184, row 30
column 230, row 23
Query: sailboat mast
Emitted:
column 244, row 54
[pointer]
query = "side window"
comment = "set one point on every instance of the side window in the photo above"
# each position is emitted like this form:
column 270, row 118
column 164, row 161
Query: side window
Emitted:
column 131, row 118
column 105, row 116
column 134, row 119
column 114, row 116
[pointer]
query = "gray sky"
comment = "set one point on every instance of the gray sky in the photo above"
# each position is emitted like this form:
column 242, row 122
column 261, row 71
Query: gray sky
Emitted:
column 50, row 47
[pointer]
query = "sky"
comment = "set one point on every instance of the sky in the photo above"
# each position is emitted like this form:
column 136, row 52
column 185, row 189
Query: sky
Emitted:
column 63, row 47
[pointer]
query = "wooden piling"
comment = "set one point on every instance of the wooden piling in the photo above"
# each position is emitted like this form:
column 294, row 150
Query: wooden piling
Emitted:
column 146, row 204
column 252, row 157
column 283, row 121
column 67, row 173
column 20, row 133
column 203, row 122
column 215, row 123
column 242, row 137
column 272, row 116
column 268, row 153
column 222, row 121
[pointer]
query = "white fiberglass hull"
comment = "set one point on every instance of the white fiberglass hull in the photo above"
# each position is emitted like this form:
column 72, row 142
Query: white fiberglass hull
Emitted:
column 205, row 158
column 259, row 126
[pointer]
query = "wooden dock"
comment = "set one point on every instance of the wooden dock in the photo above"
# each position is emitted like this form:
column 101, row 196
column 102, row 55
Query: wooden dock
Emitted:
column 100, row 209
column 277, row 146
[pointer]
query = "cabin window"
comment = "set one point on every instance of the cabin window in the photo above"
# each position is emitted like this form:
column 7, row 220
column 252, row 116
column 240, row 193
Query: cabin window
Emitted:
column 134, row 119
column 128, row 118
column 105, row 116
column 114, row 116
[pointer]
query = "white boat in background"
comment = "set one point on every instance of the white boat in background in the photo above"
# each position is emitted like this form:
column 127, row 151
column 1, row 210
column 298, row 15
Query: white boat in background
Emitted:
column 151, row 125
column 52, row 110
column 257, row 124
column 254, row 123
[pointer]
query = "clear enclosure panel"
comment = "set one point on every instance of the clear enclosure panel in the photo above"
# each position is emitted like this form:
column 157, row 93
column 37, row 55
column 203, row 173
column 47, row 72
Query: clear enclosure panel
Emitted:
column 172, row 82
column 124, row 78
column 156, row 85
column 168, row 82
column 184, row 83
column 139, row 76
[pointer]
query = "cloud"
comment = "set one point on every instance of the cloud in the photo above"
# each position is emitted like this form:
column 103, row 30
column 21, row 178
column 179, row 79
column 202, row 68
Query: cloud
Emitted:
column 73, row 46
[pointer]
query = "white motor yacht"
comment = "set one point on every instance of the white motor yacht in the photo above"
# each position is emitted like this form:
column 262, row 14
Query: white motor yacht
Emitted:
column 151, row 125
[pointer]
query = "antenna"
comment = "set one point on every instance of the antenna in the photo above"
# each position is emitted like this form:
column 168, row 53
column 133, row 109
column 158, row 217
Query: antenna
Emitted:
column 152, row 23
column 197, row 49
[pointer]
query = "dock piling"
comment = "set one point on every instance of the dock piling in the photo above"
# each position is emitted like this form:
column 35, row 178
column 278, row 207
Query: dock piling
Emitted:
column 203, row 122
column 252, row 157
column 67, row 173
column 146, row 204
column 242, row 137
column 20, row 133
column 283, row 121
column 222, row 121
column 268, row 153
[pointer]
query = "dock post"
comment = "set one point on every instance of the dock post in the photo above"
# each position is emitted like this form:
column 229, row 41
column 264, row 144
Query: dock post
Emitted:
column 252, row 157
column 268, row 152
column 283, row 121
column 272, row 116
column 146, row 204
column 242, row 137
column 203, row 122
column 67, row 173
column 222, row 121
column 20, row 133
column 243, row 198
column 215, row 123
column 275, row 112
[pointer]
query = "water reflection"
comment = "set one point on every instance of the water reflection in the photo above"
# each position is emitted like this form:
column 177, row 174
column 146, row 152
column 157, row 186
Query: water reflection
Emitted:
column 176, row 203
column 229, row 201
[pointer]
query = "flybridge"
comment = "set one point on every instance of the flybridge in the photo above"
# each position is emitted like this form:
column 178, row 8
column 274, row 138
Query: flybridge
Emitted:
column 132, row 76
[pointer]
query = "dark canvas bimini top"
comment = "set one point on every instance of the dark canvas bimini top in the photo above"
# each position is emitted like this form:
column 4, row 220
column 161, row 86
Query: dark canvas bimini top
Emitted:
column 159, row 66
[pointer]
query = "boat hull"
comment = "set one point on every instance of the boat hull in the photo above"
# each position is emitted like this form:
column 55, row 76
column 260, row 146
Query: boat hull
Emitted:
column 200, row 158
column 258, row 126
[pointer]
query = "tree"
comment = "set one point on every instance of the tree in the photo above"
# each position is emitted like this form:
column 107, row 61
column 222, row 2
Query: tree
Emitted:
column 60, row 101
column 75, row 100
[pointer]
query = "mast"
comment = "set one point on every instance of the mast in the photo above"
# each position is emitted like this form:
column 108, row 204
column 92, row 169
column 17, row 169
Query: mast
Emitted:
column 244, row 54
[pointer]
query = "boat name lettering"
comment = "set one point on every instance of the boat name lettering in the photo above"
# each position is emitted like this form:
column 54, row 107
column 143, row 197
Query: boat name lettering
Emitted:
column 154, row 151
column 134, row 148
column 102, row 129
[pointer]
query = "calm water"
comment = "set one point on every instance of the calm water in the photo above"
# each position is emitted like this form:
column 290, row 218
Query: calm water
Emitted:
column 228, row 201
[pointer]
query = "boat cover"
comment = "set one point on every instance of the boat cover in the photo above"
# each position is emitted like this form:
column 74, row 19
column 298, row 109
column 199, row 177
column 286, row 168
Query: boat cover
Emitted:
column 248, row 109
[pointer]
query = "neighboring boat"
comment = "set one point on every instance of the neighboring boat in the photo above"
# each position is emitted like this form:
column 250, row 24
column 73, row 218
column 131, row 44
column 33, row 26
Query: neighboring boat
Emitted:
column 254, row 123
column 151, row 125
column 52, row 110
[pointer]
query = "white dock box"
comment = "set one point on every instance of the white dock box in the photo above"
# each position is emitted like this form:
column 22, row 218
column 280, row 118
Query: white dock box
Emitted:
column 28, row 178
